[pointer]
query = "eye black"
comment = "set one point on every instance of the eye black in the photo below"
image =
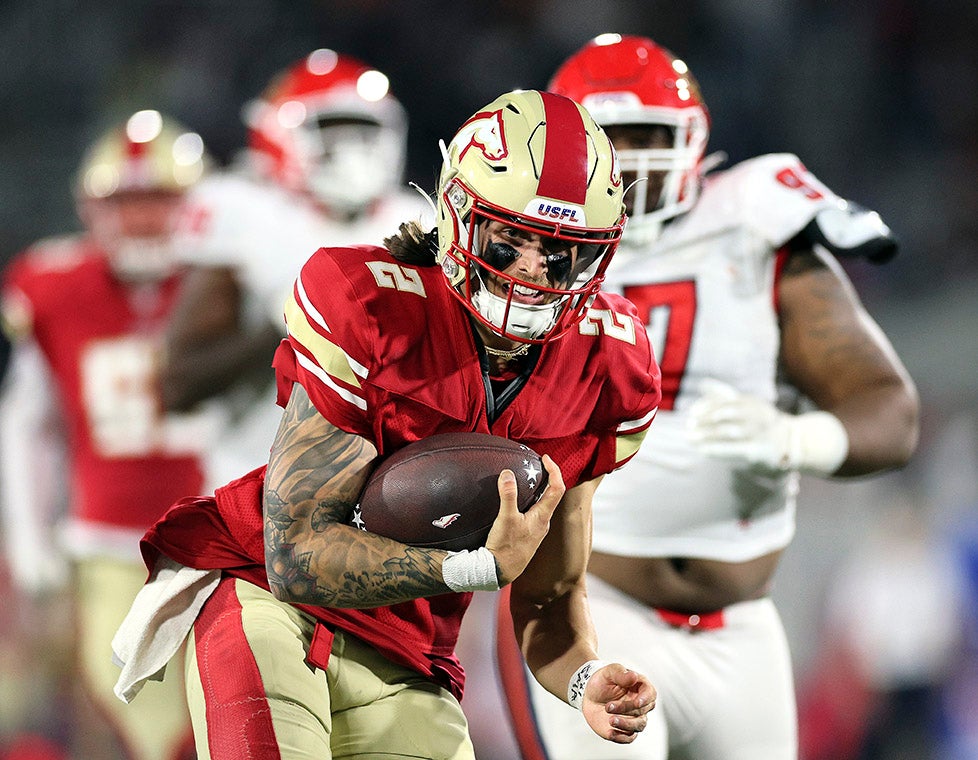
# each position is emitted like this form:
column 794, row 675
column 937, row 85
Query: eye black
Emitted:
column 499, row 255
column 558, row 267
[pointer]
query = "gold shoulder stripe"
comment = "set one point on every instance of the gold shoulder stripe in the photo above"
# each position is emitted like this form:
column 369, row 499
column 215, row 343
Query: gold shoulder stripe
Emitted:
column 327, row 354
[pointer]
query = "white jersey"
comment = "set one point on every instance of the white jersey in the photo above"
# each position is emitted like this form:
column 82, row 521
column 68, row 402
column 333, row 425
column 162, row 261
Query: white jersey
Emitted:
column 266, row 234
column 706, row 289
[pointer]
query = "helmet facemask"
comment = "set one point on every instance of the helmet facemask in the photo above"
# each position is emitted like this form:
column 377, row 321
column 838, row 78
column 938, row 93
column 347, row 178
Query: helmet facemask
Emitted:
column 479, row 264
column 349, row 162
column 662, row 183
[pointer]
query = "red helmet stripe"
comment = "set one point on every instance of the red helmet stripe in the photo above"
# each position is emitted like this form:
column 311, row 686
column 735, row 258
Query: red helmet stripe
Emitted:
column 564, row 172
column 136, row 150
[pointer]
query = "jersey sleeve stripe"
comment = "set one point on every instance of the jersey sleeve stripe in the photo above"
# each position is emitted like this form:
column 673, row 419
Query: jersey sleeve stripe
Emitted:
column 627, row 445
column 307, row 306
column 330, row 357
column 632, row 426
column 312, row 313
column 310, row 366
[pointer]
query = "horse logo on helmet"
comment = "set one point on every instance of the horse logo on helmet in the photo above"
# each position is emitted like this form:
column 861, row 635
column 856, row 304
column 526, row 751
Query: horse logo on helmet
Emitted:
column 484, row 131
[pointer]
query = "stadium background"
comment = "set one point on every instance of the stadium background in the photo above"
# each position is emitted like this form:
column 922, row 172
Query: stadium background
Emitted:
column 878, row 97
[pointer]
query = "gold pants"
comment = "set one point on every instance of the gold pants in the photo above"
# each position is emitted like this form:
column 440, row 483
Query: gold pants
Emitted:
column 250, row 690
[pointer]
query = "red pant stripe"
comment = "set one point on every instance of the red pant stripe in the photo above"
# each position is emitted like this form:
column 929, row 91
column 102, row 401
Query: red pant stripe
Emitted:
column 239, row 719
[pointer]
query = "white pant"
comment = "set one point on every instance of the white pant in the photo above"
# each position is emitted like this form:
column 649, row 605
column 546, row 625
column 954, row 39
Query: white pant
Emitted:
column 724, row 694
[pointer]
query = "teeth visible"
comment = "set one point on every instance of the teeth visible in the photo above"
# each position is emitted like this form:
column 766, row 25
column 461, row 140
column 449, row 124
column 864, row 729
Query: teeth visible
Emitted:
column 524, row 291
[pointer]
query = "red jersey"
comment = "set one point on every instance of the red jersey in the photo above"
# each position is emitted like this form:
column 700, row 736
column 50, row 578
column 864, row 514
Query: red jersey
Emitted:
column 385, row 352
column 100, row 337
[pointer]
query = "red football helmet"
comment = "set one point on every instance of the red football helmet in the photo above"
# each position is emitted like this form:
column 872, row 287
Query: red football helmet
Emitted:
column 625, row 80
column 328, row 126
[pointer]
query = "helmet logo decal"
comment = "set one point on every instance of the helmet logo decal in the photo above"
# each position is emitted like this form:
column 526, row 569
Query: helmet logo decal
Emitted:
column 483, row 131
column 544, row 209
column 564, row 175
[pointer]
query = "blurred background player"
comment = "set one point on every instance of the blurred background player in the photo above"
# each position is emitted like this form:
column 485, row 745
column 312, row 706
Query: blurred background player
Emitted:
column 771, row 367
column 80, row 418
column 327, row 145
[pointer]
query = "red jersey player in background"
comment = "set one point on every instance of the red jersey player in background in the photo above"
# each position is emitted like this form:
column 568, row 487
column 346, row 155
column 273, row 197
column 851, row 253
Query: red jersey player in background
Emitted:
column 734, row 276
column 310, row 637
column 80, row 418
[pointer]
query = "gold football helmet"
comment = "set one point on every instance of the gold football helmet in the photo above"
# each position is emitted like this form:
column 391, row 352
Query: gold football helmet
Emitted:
column 537, row 163
column 130, row 191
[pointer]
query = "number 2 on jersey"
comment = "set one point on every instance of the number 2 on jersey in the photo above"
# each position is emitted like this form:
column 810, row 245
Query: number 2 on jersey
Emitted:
column 669, row 310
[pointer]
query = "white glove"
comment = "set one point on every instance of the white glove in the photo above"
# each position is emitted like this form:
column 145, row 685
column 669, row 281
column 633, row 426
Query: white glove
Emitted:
column 727, row 424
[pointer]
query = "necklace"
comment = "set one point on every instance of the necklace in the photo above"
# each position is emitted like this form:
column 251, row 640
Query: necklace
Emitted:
column 507, row 355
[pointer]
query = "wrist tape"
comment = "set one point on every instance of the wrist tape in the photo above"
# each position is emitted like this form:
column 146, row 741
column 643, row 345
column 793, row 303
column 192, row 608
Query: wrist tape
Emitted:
column 819, row 443
column 470, row 571
column 578, row 682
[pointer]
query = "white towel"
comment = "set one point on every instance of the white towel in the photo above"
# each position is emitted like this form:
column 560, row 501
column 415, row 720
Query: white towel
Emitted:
column 157, row 623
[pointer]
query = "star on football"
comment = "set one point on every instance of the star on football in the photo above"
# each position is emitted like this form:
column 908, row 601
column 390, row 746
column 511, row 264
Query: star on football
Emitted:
column 532, row 472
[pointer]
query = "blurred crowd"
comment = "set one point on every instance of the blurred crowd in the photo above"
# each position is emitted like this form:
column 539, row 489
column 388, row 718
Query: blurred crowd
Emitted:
column 878, row 98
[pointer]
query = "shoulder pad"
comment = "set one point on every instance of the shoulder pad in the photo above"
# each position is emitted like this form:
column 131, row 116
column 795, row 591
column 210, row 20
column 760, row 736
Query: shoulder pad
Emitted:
column 846, row 229
column 773, row 194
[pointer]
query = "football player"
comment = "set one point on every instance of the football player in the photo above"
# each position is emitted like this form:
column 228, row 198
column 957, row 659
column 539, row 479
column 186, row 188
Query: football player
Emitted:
column 327, row 146
column 734, row 276
column 80, row 418
column 310, row 637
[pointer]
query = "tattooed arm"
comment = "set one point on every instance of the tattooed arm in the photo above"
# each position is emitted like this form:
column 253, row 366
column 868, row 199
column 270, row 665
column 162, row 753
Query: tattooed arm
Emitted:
column 834, row 353
column 312, row 556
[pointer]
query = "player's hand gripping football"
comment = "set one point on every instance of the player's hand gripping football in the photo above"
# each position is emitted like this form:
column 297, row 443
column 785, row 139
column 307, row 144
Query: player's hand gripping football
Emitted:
column 515, row 536
column 616, row 703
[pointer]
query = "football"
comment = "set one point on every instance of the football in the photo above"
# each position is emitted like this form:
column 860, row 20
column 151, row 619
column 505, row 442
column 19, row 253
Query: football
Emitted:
column 441, row 492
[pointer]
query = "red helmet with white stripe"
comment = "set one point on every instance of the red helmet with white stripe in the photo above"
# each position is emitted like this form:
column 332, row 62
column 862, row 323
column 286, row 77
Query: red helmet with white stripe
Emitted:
column 624, row 80
column 330, row 127
column 537, row 163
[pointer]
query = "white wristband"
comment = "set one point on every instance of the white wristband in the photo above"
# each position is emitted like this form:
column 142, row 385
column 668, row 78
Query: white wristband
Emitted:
column 578, row 682
column 470, row 571
column 819, row 443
